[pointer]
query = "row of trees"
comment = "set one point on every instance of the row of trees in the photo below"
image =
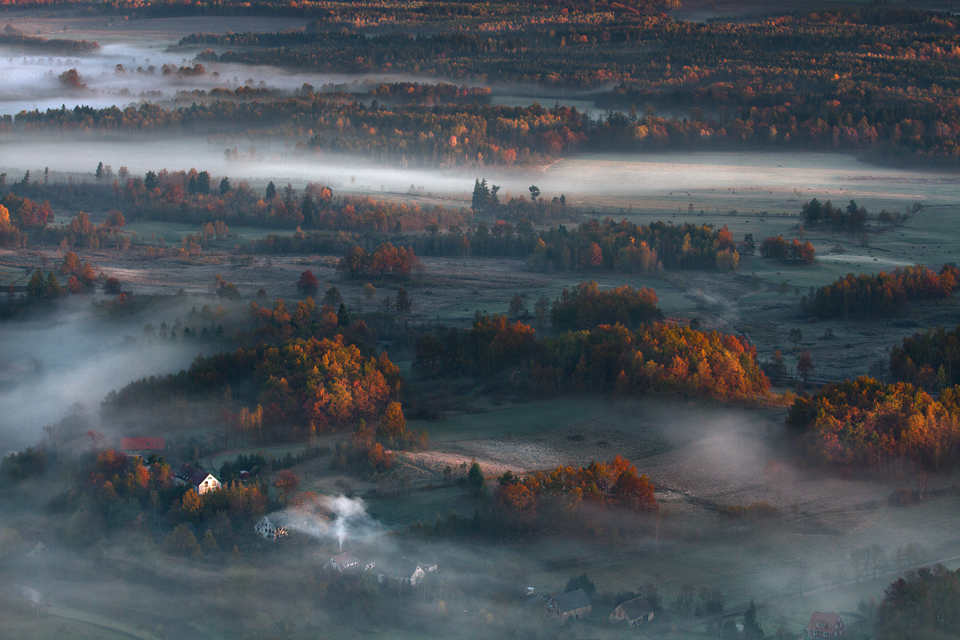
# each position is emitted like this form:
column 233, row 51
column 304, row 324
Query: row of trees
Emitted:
column 563, row 490
column 385, row 261
column 777, row 248
column 883, row 295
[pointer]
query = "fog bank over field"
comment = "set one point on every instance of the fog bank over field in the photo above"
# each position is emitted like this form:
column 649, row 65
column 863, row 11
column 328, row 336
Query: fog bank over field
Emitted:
column 48, row 364
column 33, row 81
column 618, row 180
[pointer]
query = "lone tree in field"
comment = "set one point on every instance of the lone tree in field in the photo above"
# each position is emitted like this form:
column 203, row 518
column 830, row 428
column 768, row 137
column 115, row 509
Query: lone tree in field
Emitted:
column 778, row 367
column 517, row 305
column 404, row 303
column 805, row 366
column 475, row 476
column 286, row 482
column 308, row 283
column 796, row 337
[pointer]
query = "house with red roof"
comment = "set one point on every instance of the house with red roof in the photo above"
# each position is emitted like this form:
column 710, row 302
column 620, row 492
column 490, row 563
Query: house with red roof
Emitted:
column 825, row 625
column 142, row 446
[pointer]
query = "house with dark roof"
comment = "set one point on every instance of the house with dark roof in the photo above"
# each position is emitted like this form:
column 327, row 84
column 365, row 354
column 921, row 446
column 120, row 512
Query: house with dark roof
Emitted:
column 635, row 612
column 142, row 446
column 347, row 563
column 825, row 625
column 573, row 604
column 201, row 481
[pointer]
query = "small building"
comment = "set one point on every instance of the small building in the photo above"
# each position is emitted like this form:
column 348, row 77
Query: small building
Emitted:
column 825, row 625
column 201, row 481
column 573, row 604
column 406, row 572
column 343, row 563
column 268, row 530
column 635, row 612
column 142, row 446
column 39, row 552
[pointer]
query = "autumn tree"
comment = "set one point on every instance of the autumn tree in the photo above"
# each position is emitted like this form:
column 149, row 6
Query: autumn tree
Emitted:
column 308, row 283
column 286, row 482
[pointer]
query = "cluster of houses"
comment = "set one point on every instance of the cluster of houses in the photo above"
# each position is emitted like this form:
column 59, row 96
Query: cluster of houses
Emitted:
column 405, row 572
column 574, row 605
column 563, row 607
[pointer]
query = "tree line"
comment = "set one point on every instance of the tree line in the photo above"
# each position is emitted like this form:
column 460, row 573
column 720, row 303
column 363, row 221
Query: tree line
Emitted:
column 884, row 295
column 653, row 358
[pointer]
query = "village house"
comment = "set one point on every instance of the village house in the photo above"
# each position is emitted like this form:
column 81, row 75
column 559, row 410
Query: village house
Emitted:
column 201, row 481
column 406, row 572
column 573, row 604
column 268, row 530
column 825, row 625
column 635, row 612
column 142, row 446
column 347, row 563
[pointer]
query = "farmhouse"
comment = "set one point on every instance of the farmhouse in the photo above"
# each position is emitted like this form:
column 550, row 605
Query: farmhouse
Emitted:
column 573, row 604
column 825, row 625
column 142, row 446
column 406, row 572
column 268, row 530
column 201, row 481
column 635, row 612
column 347, row 563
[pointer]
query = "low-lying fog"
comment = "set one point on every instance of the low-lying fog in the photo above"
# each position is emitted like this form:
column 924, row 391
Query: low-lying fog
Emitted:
column 48, row 364
column 619, row 180
column 33, row 81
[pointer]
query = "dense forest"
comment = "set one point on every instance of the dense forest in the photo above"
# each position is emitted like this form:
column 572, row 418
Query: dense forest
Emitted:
column 879, row 426
column 304, row 386
column 871, row 80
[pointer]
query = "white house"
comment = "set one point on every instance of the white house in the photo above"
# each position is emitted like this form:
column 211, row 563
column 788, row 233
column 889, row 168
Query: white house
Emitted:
column 201, row 481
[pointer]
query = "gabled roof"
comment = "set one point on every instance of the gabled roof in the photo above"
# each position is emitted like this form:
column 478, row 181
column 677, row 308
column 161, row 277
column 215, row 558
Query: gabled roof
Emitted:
column 345, row 559
column 827, row 620
column 142, row 444
column 636, row 608
column 189, row 473
column 572, row 600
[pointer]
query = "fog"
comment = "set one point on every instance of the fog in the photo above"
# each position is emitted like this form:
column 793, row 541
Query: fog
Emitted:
column 48, row 364
column 707, row 179
column 33, row 82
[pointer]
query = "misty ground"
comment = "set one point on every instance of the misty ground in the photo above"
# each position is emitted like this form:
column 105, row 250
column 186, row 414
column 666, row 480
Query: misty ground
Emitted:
column 699, row 458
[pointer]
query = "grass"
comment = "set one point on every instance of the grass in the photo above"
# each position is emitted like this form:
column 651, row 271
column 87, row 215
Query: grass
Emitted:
column 173, row 233
column 531, row 417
